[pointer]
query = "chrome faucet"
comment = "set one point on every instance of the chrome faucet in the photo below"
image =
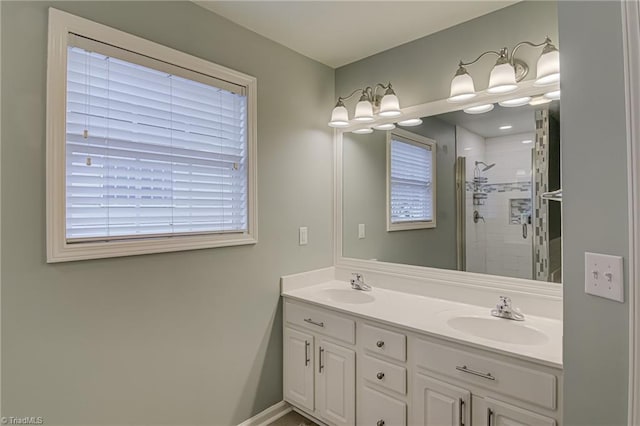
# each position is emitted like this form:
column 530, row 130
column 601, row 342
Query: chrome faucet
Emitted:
column 357, row 282
column 505, row 310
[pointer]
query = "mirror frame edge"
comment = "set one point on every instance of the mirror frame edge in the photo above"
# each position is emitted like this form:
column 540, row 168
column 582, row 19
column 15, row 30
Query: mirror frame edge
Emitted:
column 464, row 278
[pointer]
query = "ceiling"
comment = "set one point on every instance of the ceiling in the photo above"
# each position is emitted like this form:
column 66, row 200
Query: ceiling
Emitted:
column 487, row 125
column 339, row 32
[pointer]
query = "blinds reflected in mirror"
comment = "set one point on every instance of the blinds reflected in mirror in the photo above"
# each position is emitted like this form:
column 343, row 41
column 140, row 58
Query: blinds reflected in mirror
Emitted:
column 411, row 186
column 149, row 152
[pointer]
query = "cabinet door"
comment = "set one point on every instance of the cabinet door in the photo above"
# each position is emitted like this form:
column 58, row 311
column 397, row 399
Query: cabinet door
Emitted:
column 336, row 390
column 498, row 413
column 298, row 368
column 436, row 403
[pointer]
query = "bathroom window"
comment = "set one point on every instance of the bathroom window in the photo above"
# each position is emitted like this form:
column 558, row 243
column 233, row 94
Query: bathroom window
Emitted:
column 411, row 195
column 149, row 149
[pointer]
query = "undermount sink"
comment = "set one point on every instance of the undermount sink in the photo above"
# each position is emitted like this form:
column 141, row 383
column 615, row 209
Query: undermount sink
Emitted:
column 498, row 329
column 346, row 295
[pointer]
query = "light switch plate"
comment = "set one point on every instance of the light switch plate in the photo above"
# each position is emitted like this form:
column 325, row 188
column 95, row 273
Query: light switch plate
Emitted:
column 603, row 276
column 361, row 231
column 303, row 236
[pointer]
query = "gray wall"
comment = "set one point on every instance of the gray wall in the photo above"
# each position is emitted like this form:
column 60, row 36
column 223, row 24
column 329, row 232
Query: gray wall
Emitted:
column 364, row 201
column 594, row 167
column 181, row 338
column 594, row 180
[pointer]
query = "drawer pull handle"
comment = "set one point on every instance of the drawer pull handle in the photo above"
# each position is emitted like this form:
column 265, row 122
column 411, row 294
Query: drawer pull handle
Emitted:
column 321, row 365
column 380, row 423
column 380, row 343
column 310, row 321
column 464, row 369
column 380, row 375
column 461, row 413
column 489, row 416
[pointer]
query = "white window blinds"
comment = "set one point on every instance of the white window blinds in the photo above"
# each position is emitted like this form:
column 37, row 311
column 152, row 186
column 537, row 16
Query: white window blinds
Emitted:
column 411, row 189
column 152, row 149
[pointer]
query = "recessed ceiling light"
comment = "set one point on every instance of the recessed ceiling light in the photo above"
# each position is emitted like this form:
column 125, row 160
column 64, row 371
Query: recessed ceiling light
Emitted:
column 387, row 126
column 479, row 109
column 362, row 131
column 515, row 102
column 540, row 100
column 553, row 95
column 410, row 122
column 506, row 127
column 527, row 141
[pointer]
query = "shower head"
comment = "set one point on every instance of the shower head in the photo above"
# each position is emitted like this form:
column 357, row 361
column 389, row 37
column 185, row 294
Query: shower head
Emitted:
column 486, row 166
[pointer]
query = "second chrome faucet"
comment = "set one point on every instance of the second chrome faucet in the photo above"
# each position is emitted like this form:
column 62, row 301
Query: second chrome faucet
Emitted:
column 357, row 282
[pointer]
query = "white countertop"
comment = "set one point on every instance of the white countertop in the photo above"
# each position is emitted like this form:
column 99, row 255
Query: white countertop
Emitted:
column 430, row 316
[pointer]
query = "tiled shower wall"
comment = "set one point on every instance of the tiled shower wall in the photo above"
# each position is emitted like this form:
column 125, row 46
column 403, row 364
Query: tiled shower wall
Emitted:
column 498, row 244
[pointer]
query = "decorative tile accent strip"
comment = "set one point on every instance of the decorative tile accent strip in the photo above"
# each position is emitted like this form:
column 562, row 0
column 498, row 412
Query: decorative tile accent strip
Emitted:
column 501, row 187
column 518, row 207
column 541, row 231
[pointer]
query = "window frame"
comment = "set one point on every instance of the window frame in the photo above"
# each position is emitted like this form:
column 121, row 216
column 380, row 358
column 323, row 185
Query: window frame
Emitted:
column 61, row 24
column 418, row 140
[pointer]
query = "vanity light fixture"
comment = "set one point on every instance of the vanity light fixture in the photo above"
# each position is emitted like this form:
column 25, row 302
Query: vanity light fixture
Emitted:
column 508, row 71
column 555, row 95
column 516, row 102
column 410, row 122
column 506, row 127
column 370, row 103
column 364, row 131
column 479, row 109
column 386, row 126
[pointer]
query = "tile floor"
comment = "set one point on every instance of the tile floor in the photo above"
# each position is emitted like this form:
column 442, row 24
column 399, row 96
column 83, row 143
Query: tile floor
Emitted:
column 293, row 419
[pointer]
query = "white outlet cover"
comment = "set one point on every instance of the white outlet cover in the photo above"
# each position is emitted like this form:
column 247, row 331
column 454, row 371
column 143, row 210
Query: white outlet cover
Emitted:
column 361, row 231
column 303, row 235
column 604, row 276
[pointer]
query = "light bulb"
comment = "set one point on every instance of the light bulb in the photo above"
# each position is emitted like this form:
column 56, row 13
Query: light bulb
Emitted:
column 516, row 102
column 410, row 122
column 548, row 66
column 555, row 95
column 479, row 109
column 339, row 116
column 364, row 111
column 386, row 126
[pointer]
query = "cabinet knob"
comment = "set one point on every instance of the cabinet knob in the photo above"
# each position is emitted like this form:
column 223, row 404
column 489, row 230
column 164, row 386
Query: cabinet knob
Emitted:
column 380, row 343
column 380, row 423
column 380, row 375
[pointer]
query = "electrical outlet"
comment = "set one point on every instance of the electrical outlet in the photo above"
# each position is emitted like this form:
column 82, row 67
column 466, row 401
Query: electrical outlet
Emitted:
column 603, row 276
column 361, row 232
column 303, row 236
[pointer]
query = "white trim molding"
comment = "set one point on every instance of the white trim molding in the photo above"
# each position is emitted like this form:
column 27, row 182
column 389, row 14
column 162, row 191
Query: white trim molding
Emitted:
column 269, row 415
column 631, row 40
column 61, row 26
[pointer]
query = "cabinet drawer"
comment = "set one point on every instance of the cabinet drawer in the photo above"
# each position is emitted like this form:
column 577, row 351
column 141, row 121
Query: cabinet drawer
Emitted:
column 383, row 342
column 526, row 384
column 385, row 374
column 377, row 409
column 320, row 321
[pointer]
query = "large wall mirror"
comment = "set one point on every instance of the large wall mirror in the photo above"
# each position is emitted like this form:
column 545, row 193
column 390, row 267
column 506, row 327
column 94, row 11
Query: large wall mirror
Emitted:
column 459, row 191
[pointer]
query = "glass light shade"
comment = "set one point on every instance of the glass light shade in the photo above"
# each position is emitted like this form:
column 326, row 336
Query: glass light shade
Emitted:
column 479, row 109
column 410, row 122
column 387, row 126
column 389, row 106
column 516, row 102
column 363, row 131
column 364, row 112
column 339, row 117
column 462, row 88
column 540, row 100
column 548, row 68
column 502, row 79
column 553, row 95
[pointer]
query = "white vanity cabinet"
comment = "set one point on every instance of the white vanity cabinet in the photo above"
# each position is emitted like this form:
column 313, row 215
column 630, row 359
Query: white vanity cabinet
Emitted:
column 344, row 369
column 319, row 363
column 458, row 386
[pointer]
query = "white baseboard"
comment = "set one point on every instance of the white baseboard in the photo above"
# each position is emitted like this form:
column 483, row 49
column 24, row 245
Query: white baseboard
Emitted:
column 269, row 415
